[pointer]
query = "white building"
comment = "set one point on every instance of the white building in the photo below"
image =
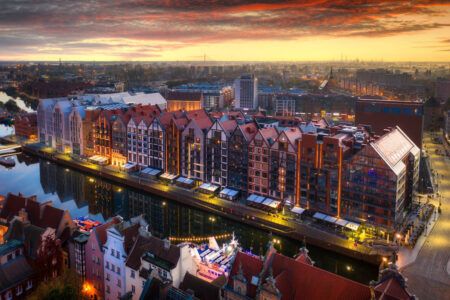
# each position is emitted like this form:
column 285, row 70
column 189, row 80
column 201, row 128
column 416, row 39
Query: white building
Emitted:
column 119, row 241
column 151, row 257
column 246, row 92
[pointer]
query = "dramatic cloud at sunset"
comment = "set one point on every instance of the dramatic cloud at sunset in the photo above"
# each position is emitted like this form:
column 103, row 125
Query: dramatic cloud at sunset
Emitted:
column 224, row 30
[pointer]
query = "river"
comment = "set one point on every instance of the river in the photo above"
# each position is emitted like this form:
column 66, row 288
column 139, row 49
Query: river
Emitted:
column 99, row 199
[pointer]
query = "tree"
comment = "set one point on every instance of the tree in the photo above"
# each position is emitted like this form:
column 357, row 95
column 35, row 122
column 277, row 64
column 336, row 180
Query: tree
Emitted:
column 49, row 257
column 68, row 286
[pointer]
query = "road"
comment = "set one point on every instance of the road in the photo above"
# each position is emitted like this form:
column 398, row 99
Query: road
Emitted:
column 428, row 276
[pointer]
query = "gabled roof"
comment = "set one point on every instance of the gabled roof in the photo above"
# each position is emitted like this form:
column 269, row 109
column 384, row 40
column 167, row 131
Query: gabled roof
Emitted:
column 309, row 282
column 393, row 147
column 249, row 130
column 391, row 289
column 40, row 214
column 100, row 231
column 269, row 135
column 229, row 126
column 292, row 134
column 156, row 247
column 13, row 272
column 196, row 114
column 251, row 267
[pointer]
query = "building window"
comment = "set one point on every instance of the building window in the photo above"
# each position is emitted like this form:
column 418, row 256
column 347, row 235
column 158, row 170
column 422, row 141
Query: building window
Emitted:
column 29, row 284
column 119, row 283
column 132, row 274
column 19, row 290
column 118, row 270
column 8, row 295
column 117, row 254
column 107, row 277
column 113, row 268
column 133, row 289
column 107, row 265
column 107, row 289
column 112, row 252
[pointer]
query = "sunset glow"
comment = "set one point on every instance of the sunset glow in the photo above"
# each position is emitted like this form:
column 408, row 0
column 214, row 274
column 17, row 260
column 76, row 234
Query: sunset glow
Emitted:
column 225, row 30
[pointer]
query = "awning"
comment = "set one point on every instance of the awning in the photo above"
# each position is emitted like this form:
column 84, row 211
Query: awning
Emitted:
column 129, row 166
column 352, row 226
column 168, row 176
column 229, row 193
column 298, row 210
column 185, row 180
column 330, row 219
column 208, row 187
column 274, row 204
column 252, row 198
column 263, row 201
column 98, row 158
column 341, row 222
column 267, row 202
column 151, row 172
column 319, row 216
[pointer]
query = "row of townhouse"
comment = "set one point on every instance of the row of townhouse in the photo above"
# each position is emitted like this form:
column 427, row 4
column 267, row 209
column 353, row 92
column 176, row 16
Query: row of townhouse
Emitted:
column 342, row 171
column 34, row 246
column 121, row 257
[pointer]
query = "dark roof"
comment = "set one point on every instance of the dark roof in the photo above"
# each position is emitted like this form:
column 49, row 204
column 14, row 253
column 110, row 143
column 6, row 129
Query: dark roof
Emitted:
column 39, row 214
column 130, row 235
column 184, row 96
column 160, row 254
column 202, row 289
column 14, row 272
column 9, row 246
column 27, row 233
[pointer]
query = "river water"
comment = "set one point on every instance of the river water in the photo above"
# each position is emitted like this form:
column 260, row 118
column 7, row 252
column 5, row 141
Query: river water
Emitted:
column 99, row 199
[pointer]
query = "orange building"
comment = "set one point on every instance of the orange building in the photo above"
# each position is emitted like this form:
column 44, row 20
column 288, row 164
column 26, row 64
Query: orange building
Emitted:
column 186, row 101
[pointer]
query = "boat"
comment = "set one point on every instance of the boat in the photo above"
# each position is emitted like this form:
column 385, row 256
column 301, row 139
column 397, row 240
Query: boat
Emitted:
column 214, row 261
column 7, row 162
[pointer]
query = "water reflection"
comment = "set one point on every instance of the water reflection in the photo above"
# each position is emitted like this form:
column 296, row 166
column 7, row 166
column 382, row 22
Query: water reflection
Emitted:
column 84, row 195
column 20, row 103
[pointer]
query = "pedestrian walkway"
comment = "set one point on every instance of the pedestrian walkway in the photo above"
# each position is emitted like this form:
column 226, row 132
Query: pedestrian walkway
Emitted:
column 406, row 255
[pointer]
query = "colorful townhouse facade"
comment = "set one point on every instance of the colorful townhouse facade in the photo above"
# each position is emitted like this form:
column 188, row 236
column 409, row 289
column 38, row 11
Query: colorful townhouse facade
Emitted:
column 312, row 165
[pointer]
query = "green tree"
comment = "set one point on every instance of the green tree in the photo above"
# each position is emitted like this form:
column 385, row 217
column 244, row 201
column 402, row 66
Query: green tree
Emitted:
column 68, row 286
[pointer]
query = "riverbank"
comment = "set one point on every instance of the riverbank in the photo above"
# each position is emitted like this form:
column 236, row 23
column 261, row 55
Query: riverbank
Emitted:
column 234, row 211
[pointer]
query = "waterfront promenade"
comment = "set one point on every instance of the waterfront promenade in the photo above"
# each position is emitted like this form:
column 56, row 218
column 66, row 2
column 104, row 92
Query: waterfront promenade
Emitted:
column 277, row 224
column 429, row 275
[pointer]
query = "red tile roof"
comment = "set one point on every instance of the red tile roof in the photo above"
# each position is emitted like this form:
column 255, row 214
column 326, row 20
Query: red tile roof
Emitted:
column 249, row 130
column 100, row 231
column 229, row 125
column 391, row 289
column 251, row 266
column 309, row 282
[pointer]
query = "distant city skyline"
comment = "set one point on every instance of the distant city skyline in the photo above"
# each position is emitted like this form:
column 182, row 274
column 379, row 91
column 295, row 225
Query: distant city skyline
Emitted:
column 262, row 30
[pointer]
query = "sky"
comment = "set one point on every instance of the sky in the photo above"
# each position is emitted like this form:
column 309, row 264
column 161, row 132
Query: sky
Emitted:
column 257, row 30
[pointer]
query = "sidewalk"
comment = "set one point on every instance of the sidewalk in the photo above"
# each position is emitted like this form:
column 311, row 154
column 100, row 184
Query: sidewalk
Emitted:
column 407, row 256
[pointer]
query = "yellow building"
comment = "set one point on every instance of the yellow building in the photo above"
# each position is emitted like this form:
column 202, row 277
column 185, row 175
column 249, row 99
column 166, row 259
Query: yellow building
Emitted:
column 184, row 101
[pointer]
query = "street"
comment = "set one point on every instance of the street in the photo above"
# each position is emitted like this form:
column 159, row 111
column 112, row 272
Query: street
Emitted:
column 428, row 277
